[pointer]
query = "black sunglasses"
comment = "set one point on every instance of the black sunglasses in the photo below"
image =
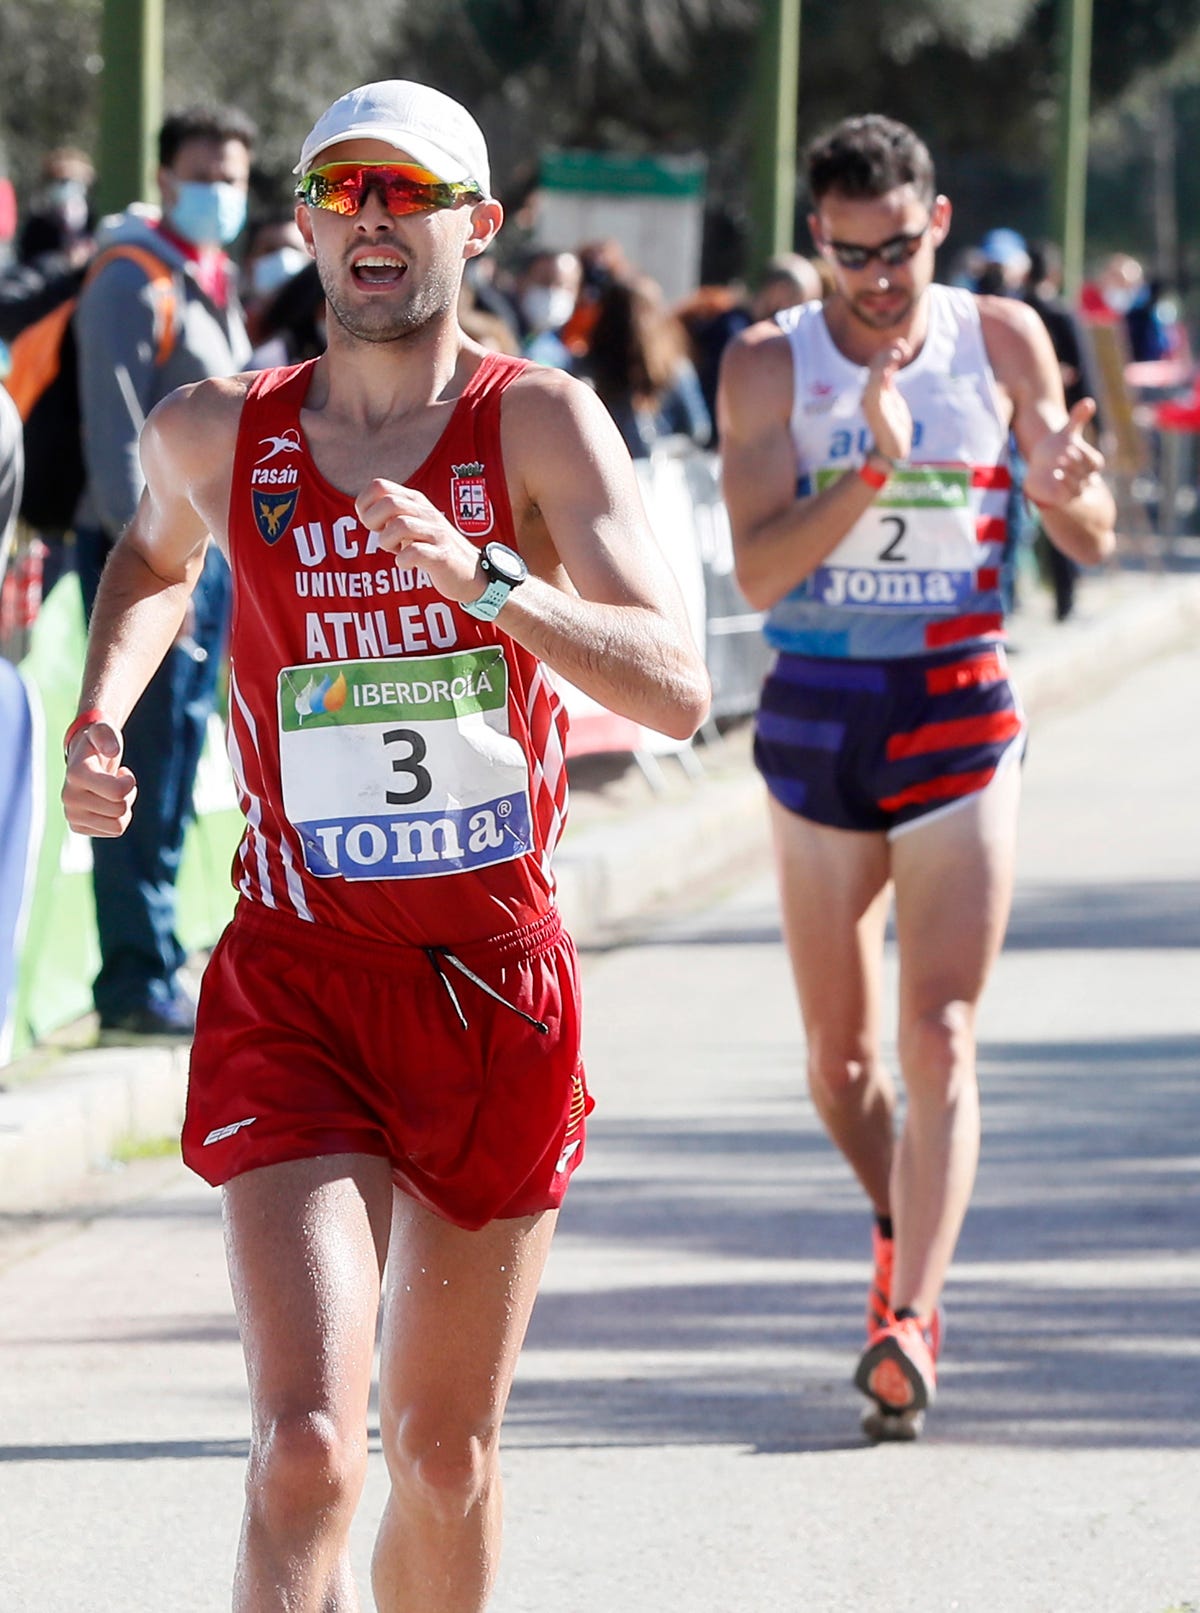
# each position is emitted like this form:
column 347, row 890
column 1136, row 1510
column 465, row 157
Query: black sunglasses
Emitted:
column 891, row 253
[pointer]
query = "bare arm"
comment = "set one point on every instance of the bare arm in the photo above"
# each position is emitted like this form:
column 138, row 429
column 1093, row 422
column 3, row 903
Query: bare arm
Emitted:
column 779, row 539
column 1064, row 473
column 142, row 600
column 600, row 605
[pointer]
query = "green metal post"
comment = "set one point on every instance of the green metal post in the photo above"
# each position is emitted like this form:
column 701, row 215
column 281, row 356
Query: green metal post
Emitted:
column 773, row 197
column 1070, row 200
column 131, row 42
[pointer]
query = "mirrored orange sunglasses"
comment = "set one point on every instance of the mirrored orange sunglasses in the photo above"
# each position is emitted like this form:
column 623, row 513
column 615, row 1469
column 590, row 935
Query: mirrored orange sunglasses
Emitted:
column 342, row 187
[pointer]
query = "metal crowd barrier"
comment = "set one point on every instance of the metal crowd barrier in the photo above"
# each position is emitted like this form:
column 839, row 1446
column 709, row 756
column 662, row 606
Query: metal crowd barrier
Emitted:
column 681, row 489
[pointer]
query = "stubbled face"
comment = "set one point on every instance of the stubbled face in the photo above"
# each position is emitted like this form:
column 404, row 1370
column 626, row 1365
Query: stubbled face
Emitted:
column 881, row 296
column 383, row 276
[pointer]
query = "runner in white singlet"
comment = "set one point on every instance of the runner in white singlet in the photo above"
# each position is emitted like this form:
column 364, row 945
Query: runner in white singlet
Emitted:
column 864, row 445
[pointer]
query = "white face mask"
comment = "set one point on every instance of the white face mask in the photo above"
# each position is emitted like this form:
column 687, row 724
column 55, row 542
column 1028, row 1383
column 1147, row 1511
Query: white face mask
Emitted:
column 547, row 307
column 1120, row 298
column 270, row 271
column 208, row 213
column 68, row 198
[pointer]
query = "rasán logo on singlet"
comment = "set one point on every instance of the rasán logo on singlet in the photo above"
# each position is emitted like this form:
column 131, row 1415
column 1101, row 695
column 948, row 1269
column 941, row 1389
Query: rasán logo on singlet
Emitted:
column 287, row 442
column 268, row 474
column 469, row 501
column 822, row 395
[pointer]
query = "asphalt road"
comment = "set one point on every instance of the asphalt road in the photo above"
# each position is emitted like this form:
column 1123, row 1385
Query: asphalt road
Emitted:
column 683, row 1436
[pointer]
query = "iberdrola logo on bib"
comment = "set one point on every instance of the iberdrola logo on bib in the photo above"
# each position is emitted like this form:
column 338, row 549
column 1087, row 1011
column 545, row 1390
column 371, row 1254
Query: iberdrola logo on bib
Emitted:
column 469, row 501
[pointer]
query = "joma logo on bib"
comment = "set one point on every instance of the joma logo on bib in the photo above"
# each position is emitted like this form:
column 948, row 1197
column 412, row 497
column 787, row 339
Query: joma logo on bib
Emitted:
column 890, row 590
column 391, row 848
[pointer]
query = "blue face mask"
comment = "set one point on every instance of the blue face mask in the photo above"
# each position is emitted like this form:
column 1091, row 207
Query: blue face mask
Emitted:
column 208, row 214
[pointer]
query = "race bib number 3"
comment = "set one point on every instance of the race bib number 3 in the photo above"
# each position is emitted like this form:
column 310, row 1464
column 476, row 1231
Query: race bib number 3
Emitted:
column 402, row 769
column 915, row 548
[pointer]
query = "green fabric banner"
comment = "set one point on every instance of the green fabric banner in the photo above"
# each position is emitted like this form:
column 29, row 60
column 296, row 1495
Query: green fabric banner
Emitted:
column 60, row 954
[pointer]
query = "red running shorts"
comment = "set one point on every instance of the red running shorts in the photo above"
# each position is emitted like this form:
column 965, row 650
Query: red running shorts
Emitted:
column 310, row 1042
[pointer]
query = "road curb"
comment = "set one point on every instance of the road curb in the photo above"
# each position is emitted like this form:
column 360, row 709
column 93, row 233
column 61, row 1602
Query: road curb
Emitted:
column 608, row 877
column 59, row 1127
column 1089, row 656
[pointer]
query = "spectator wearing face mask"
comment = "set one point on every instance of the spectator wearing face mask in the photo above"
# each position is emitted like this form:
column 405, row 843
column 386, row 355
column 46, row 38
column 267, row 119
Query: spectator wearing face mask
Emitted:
column 274, row 254
column 290, row 327
column 1120, row 294
column 54, row 240
column 57, row 231
column 546, row 291
column 60, row 213
column 165, row 314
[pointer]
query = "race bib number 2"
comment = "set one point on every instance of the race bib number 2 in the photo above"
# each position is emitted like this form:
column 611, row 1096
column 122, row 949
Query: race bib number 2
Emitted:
column 404, row 768
column 914, row 549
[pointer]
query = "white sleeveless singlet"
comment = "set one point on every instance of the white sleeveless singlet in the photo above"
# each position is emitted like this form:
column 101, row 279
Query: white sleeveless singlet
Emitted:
column 921, row 570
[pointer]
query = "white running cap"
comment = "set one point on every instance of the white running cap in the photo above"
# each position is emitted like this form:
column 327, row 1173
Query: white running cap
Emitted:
column 433, row 129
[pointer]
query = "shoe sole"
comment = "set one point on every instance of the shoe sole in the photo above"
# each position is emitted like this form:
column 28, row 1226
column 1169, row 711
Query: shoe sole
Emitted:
column 887, row 1376
column 883, row 1427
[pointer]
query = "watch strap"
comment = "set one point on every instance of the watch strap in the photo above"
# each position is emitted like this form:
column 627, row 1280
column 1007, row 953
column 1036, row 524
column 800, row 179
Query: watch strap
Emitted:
column 487, row 607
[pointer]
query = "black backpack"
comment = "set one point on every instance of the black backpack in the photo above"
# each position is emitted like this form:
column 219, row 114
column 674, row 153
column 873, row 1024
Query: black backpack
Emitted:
column 43, row 379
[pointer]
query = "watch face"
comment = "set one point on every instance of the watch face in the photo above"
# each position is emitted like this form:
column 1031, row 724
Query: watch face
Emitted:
column 505, row 563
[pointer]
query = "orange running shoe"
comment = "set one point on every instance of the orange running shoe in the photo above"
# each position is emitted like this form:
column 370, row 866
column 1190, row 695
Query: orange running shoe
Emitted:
column 898, row 1369
column 879, row 1296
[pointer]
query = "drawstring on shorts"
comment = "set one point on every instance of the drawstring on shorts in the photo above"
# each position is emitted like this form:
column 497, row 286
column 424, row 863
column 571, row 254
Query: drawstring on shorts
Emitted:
column 437, row 954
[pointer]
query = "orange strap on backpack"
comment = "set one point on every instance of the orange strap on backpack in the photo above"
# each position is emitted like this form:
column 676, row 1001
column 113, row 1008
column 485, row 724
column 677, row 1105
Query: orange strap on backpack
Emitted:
column 35, row 352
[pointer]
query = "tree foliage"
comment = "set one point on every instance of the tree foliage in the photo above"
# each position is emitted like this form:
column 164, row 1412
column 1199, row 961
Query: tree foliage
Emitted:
column 975, row 77
column 636, row 75
column 281, row 63
column 628, row 74
column 49, row 78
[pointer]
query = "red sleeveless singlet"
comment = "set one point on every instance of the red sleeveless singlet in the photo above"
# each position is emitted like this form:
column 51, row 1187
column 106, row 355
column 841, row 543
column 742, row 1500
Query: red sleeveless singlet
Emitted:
column 401, row 765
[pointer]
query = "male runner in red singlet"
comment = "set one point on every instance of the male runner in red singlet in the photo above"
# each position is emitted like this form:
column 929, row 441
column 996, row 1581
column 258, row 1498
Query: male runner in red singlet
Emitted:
column 865, row 446
column 386, row 1062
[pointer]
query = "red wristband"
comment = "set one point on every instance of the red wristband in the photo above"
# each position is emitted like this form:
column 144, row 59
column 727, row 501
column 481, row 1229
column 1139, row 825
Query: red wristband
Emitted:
column 84, row 720
column 873, row 478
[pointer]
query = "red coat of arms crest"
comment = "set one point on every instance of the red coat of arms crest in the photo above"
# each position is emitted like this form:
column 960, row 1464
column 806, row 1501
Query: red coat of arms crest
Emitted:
column 469, row 501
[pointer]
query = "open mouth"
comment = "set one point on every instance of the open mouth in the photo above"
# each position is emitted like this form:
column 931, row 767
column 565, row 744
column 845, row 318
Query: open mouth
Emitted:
column 377, row 272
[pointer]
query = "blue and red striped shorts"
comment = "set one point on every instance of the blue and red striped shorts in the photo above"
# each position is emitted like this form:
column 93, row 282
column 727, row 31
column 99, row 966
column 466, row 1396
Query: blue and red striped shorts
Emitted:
column 876, row 745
